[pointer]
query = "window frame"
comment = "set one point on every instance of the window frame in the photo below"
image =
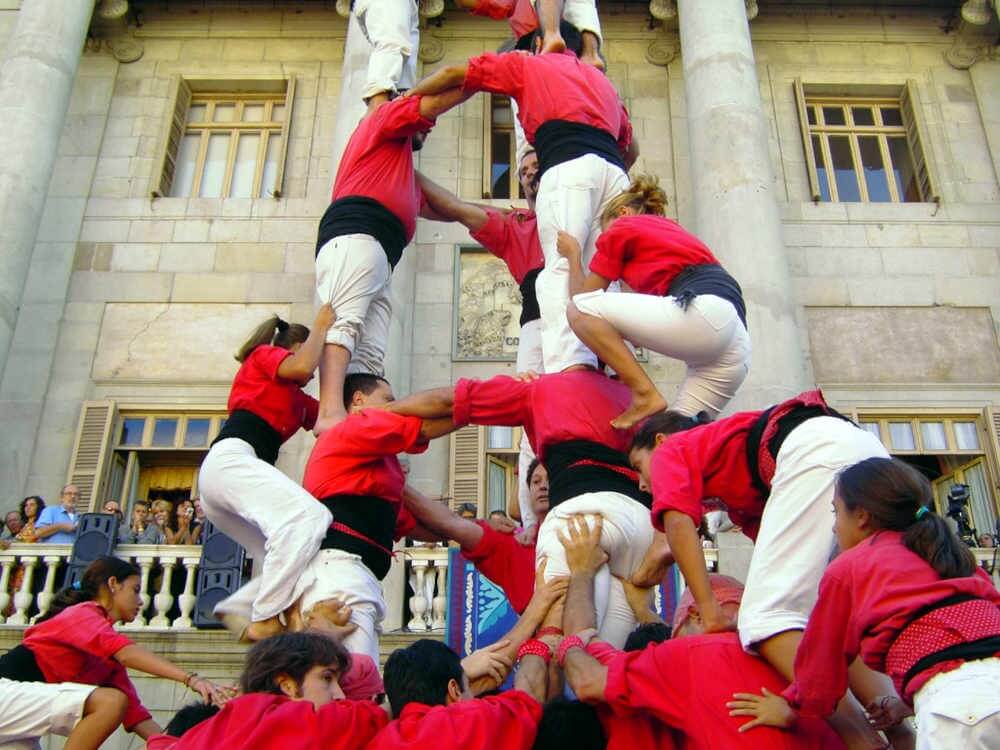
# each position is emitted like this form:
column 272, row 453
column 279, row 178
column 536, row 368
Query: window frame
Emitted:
column 488, row 129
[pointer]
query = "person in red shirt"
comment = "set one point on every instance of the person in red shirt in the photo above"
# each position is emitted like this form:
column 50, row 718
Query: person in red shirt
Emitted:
column 291, row 698
column 361, row 237
column 512, row 236
column 685, row 305
column 680, row 686
column 242, row 492
column 74, row 642
column 499, row 556
column 906, row 594
column 573, row 116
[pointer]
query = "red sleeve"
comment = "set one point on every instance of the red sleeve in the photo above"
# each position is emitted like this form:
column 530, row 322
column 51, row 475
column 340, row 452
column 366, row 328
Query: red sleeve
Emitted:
column 498, row 74
column 498, row 10
column 94, row 635
column 650, row 681
column 135, row 712
column 828, row 647
column 502, row 401
column 625, row 133
column 269, row 358
column 495, row 234
column 496, row 557
column 602, row 651
column 346, row 725
column 399, row 118
column 161, row 742
column 375, row 432
column 612, row 247
column 676, row 473
column 405, row 523
column 311, row 411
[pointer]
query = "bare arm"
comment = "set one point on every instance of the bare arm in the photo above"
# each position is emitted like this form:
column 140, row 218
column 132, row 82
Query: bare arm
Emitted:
column 439, row 519
column 587, row 676
column 450, row 207
column 434, row 105
column 682, row 536
column 44, row 532
column 302, row 364
column 631, row 154
column 435, row 428
column 431, row 404
column 579, row 280
column 147, row 729
column 144, row 660
column 442, row 79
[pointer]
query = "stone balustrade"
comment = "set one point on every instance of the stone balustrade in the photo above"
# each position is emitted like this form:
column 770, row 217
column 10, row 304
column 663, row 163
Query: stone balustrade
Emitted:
column 427, row 575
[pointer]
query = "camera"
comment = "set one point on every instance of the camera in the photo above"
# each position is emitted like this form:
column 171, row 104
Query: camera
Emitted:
column 958, row 501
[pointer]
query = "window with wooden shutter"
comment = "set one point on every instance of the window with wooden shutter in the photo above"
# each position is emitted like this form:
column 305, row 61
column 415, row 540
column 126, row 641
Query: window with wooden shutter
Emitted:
column 88, row 467
column 467, row 466
column 807, row 140
column 171, row 137
column 916, row 139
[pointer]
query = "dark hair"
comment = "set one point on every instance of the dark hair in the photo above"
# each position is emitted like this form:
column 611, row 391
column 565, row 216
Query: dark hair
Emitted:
column 498, row 513
column 535, row 463
column 420, row 673
column 273, row 331
column 138, row 502
column 570, row 34
column 360, row 381
column 567, row 723
column 175, row 513
column 665, row 423
column 190, row 716
column 94, row 576
column 893, row 492
column 38, row 500
column 648, row 632
column 292, row 654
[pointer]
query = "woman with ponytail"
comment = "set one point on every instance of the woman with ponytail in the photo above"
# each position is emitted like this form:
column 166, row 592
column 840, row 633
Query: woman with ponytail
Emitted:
column 242, row 493
column 68, row 676
column 686, row 306
column 906, row 595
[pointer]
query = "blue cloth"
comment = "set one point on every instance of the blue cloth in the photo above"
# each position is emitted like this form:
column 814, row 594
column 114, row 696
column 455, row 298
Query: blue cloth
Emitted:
column 56, row 514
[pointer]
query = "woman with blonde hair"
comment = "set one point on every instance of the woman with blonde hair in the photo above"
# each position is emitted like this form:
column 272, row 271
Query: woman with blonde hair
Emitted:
column 685, row 305
column 247, row 498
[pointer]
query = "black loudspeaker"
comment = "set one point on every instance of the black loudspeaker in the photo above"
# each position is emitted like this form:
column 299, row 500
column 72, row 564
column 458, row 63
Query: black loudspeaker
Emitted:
column 220, row 573
column 96, row 536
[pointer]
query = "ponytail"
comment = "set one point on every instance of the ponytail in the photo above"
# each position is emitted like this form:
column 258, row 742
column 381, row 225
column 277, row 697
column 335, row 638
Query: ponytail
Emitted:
column 644, row 196
column 273, row 331
column 665, row 423
column 89, row 584
column 899, row 498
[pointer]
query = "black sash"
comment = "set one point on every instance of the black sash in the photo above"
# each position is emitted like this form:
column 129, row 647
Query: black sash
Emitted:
column 558, row 141
column 708, row 278
column 373, row 518
column 529, row 299
column 245, row 425
column 575, row 467
column 19, row 664
column 355, row 214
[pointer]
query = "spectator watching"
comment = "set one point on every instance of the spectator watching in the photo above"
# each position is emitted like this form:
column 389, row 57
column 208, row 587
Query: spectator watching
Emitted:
column 30, row 508
column 112, row 507
column 140, row 530
column 57, row 523
column 188, row 531
column 11, row 526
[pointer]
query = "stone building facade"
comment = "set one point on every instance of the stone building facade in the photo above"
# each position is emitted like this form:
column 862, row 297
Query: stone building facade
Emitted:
column 121, row 301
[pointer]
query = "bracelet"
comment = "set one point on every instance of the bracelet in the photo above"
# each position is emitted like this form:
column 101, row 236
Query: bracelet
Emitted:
column 548, row 630
column 191, row 677
column 573, row 641
column 535, row 648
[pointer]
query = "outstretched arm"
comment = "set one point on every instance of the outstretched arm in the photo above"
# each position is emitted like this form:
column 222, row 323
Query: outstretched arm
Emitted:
column 439, row 519
column 682, row 537
column 579, row 280
column 431, row 404
column 442, row 79
column 450, row 207
column 436, row 104
column 437, row 427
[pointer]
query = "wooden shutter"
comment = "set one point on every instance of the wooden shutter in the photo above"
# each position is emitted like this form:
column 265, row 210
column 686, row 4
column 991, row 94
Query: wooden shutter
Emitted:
column 170, row 139
column 807, row 145
column 286, row 132
column 88, row 468
column 466, row 476
column 991, row 431
column 916, row 138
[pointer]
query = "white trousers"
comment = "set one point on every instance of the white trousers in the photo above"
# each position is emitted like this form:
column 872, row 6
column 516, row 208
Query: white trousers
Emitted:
column 278, row 523
column 392, row 28
column 626, row 535
column 353, row 275
column 529, row 357
column 582, row 14
column 796, row 539
column 31, row 710
column 709, row 337
column 960, row 709
column 570, row 198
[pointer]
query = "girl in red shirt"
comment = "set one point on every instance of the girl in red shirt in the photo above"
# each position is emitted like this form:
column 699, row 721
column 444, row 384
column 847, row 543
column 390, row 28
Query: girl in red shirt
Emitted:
column 686, row 306
column 278, row 523
column 74, row 647
column 907, row 596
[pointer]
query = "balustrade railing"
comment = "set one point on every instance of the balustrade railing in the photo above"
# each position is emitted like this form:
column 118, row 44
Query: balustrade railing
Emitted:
column 427, row 576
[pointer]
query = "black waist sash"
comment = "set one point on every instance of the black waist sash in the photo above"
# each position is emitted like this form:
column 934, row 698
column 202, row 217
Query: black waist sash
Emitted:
column 529, row 299
column 576, row 467
column 245, row 425
column 708, row 278
column 373, row 519
column 786, row 424
column 19, row 664
column 355, row 214
column 557, row 141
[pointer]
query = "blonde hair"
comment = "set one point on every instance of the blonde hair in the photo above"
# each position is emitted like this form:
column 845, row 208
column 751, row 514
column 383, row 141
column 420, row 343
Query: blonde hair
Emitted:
column 273, row 331
column 644, row 195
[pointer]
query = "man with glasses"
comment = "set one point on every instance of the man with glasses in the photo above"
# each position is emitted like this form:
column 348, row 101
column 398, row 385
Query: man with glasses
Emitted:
column 57, row 523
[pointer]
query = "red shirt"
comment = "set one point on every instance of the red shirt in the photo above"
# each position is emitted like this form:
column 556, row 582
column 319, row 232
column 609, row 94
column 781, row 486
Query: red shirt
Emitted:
column 506, row 562
column 552, row 87
column 574, row 405
column 686, row 683
column 866, row 597
column 707, row 461
column 378, row 160
column 78, row 645
column 281, row 403
column 262, row 721
column 513, row 238
column 520, row 13
column 508, row 720
column 647, row 252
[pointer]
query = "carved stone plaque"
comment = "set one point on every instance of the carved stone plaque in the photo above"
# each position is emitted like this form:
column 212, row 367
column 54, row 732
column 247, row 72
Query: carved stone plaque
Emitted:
column 487, row 308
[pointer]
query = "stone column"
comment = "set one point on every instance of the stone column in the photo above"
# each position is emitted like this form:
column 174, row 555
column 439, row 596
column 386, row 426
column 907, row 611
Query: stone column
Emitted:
column 36, row 77
column 732, row 186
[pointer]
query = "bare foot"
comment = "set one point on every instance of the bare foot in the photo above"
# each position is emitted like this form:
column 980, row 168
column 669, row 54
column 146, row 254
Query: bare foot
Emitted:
column 236, row 625
column 593, row 59
column 553, row 43
column 258, row 631
column 643, row 405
